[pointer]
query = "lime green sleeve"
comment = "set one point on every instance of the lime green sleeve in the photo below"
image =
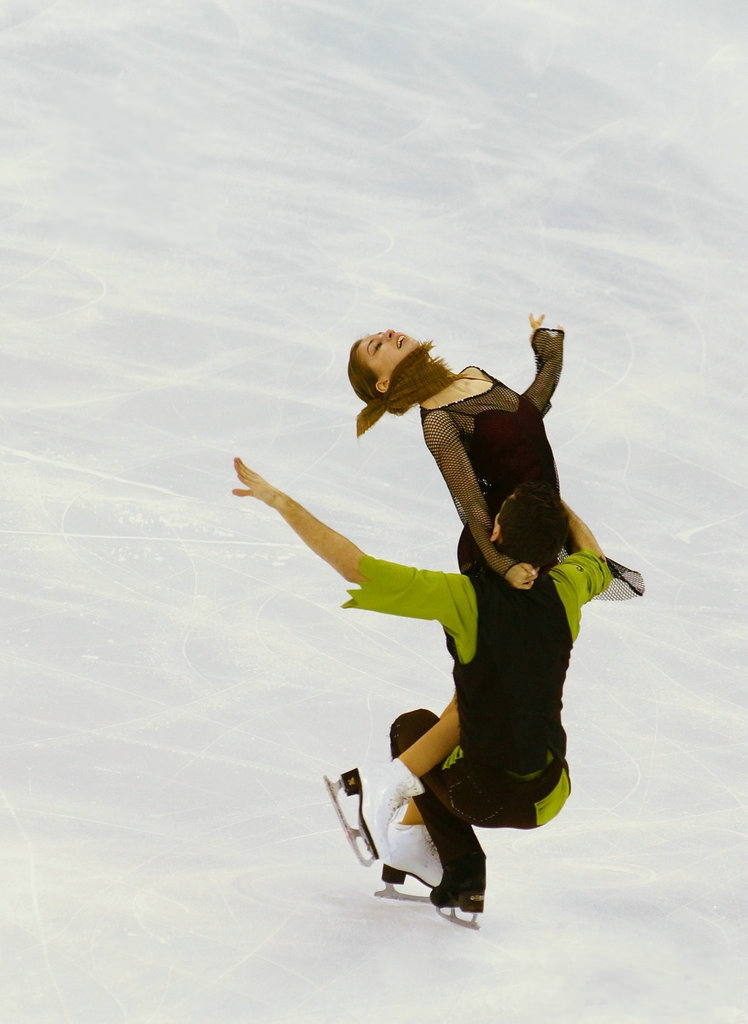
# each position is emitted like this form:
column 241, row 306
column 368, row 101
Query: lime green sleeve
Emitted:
column 578, row 579
column 448, row 598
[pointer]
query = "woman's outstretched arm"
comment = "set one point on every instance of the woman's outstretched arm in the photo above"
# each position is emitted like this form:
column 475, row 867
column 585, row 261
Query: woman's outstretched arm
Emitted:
column 548, row 346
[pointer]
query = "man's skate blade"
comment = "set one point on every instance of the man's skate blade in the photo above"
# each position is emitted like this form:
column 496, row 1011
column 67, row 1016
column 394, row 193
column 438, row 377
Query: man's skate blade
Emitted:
column 453, row 917
column 358, row 841
column 397, row 895
column 389, row 892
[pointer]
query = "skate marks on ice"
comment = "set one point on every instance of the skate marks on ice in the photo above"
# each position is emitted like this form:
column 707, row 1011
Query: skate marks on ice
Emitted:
column 163, row 736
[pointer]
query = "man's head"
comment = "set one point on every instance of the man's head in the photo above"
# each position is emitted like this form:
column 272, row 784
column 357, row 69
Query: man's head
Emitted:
column 531, row 525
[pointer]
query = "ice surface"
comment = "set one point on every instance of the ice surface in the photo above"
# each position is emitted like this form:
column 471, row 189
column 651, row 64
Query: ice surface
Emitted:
column 203, row 204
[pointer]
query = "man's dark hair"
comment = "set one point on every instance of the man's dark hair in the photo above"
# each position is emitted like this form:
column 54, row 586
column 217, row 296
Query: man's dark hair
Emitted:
column 534, row 524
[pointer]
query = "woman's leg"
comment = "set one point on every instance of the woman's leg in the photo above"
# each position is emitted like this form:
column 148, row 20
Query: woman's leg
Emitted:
column 434, row 746
column 429, row 750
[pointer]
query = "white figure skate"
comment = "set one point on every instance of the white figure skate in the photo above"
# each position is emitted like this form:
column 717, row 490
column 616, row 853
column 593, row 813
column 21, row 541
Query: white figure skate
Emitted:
column 411, row 853
column 382, row 790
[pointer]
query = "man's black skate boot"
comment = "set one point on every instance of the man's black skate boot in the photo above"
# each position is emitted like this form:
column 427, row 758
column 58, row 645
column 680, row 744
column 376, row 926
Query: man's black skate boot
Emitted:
column 463, row 884
column 394, row 876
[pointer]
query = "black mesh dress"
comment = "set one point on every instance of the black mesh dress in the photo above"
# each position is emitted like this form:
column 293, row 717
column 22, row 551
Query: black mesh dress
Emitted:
column 487, row 444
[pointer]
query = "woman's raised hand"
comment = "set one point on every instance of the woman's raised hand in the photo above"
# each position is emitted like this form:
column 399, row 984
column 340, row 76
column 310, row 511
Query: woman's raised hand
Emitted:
column 521, row 576
column 549, row 343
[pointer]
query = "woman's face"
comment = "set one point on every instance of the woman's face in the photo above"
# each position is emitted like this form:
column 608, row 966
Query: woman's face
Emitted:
column 382, row 352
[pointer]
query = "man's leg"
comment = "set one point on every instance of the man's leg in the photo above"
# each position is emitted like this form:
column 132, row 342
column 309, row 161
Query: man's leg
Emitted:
column 463, row 881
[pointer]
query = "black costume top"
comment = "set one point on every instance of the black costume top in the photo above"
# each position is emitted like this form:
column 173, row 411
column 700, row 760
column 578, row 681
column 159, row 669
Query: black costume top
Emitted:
column 510, row 695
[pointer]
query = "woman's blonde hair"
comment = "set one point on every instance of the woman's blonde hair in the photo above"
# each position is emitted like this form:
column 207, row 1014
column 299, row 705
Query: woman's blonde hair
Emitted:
column 417, row 377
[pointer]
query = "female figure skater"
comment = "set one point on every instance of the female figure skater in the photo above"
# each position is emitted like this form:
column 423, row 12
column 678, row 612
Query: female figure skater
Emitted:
column 486, row 438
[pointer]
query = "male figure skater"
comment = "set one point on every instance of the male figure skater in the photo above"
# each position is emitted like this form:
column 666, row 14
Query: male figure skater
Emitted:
column 506, row 767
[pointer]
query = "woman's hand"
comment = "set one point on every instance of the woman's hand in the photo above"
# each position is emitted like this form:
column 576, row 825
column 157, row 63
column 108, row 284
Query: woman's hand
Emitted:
column 547, row 344
column 521, row 576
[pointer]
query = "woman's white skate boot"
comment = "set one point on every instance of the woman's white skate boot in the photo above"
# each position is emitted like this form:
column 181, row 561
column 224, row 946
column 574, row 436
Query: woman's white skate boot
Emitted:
column 382, row 789
column 412, row 852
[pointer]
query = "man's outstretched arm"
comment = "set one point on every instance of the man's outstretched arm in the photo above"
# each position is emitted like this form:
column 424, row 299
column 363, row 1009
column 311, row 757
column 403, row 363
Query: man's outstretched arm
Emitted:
column 335, row 549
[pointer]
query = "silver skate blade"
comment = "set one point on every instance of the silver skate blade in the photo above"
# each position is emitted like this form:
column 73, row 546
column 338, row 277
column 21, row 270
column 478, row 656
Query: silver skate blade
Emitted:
column 453, row 918
column 391, row 893
column 359, row 842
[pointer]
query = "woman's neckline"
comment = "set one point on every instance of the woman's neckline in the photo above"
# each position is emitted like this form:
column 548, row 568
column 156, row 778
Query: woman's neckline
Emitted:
column 485, row 378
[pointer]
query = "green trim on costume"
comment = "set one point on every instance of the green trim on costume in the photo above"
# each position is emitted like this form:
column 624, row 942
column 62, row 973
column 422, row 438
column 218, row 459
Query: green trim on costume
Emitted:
column 456, row 754
column 550, row 805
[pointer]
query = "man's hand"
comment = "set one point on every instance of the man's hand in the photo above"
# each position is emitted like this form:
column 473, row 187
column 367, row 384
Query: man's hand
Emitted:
column 335, row 549
column 254, row 485
column 521, row 576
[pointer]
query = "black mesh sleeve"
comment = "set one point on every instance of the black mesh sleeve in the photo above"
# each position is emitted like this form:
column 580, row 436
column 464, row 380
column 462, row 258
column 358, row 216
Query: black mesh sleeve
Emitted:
column 625, row 583
column 446, row 445
column 548, row 346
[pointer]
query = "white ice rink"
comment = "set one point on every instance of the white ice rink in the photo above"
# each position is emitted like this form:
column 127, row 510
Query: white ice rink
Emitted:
column 203, row 204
